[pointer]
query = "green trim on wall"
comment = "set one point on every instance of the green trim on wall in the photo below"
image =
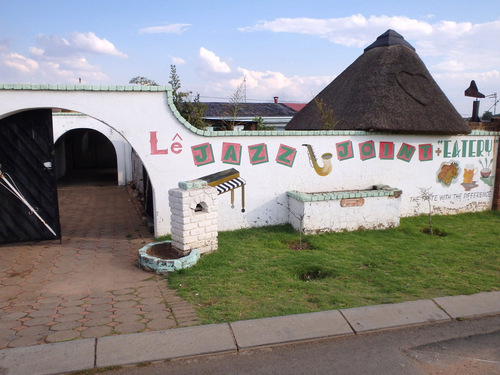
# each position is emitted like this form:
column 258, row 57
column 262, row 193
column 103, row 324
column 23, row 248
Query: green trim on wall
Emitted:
column 53, row 87
column 377, row 191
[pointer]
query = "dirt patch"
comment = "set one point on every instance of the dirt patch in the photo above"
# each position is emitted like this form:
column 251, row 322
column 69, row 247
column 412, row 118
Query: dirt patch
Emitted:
column 164, row 250
column 297, row 245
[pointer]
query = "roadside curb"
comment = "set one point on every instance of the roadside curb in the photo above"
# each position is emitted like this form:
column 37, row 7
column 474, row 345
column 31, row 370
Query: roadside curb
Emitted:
column 195, row 341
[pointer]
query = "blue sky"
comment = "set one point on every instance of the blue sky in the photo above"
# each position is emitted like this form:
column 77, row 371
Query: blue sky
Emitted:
column 291, row 49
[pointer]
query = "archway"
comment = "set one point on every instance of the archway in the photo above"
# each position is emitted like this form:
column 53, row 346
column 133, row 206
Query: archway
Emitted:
column 131, row 112
column 85, row 157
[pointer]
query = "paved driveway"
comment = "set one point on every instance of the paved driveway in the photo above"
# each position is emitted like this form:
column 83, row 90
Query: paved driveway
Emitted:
column 86, row 285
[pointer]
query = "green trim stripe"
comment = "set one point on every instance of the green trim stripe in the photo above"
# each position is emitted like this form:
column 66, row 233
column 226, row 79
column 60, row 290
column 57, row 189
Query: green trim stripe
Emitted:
column 53, row 87
column 377, row 191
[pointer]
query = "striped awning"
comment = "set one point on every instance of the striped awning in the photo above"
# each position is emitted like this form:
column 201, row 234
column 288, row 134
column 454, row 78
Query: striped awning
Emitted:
column 230, row 185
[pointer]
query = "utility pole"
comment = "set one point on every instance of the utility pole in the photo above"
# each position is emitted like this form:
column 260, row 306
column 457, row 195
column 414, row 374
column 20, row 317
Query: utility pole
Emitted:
column 494, row 106
column 245, row 89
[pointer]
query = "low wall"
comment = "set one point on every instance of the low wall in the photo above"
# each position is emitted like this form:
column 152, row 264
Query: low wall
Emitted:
column 376, row 208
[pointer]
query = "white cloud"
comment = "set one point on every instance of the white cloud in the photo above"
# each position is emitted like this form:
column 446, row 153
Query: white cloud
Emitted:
column 89, row 42
column 178, row 60
column 20, row 63
column 56, row 59
column 56, row 45
column 211, row 62
column 352, row 31
column 266, row 85
column 53, row 45
column 174, row 28
column 442, row 38
column 263, row 86
column 15, row 67
column 71, row 69
column 449, row 66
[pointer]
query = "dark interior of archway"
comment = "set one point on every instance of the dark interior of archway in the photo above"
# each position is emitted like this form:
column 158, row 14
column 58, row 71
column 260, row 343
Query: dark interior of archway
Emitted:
column 89, row 159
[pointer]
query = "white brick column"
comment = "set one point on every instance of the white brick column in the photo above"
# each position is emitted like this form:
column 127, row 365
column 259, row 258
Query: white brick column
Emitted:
column 194, row 217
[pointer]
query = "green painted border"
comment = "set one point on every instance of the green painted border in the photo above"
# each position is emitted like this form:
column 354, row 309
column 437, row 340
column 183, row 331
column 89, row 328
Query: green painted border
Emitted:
column 54, row 87
column 377, row 191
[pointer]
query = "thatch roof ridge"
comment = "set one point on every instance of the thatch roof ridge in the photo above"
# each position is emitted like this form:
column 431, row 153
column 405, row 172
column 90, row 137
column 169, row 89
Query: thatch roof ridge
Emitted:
column 387, row 88
column 389, row 38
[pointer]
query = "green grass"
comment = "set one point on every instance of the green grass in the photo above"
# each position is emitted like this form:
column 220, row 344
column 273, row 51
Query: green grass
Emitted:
column 255, row 273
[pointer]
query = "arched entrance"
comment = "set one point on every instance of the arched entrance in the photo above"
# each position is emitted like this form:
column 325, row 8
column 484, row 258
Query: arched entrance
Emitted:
column 32, row 168
column 85, row 157
column 126, row 115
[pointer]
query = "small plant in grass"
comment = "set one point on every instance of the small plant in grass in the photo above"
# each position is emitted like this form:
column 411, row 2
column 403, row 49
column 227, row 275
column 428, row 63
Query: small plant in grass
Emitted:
column 298, row 245
column 426, row 195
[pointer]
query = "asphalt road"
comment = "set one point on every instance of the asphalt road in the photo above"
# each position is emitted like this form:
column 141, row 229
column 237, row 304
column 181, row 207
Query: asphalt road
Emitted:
column 462, row 347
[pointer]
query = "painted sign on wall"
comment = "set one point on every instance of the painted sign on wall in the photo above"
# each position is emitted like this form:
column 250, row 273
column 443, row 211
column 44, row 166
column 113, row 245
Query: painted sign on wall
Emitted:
column 458, row 169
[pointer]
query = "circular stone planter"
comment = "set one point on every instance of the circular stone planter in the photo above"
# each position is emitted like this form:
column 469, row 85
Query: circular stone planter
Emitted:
column 150, row 262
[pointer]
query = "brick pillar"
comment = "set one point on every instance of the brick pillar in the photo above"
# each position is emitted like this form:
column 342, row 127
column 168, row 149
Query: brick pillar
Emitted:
column 194, row 217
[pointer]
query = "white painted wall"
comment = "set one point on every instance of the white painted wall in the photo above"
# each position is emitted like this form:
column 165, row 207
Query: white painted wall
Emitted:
column 267, row 183
column 330, row 215
column 139, row 116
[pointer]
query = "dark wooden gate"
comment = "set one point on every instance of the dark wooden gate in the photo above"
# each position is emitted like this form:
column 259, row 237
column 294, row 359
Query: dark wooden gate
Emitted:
column 26, row 163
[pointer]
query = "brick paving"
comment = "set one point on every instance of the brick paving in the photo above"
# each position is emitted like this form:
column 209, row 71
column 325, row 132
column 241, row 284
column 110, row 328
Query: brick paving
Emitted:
column 88, row 284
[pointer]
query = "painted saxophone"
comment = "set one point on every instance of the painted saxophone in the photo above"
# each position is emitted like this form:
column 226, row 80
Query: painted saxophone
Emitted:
column 327, row 161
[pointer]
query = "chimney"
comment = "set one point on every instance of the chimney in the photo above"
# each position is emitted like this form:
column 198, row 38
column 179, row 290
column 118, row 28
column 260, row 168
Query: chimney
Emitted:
column 275, row 100
column 472, row 91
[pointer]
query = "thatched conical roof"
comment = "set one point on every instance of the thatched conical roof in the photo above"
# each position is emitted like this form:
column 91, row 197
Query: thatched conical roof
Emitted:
column 388, row 88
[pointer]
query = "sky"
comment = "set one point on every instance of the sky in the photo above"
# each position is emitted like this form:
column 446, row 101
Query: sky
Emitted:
column 290, row 49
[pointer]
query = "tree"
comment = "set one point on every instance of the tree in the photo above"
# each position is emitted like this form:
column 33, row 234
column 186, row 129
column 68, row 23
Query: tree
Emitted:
column 326, row 114
column 191, row 111
column 234, row 105
column 194, row 111
column 143, row 81
column 260, row 124
column 487, row 116
column 178, row 96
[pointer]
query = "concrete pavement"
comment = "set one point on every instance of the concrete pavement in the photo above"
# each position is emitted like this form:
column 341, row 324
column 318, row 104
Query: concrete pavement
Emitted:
column 87, row 285
column 225, row 338
column 456, row 347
